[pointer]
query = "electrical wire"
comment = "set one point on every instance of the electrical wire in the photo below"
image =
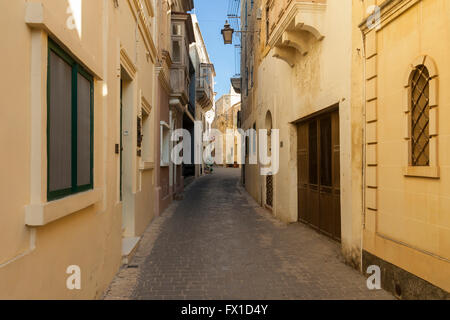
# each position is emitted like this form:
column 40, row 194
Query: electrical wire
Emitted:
column 234, row 10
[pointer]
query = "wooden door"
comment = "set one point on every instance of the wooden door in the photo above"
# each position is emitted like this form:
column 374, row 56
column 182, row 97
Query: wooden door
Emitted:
column 326, row 221
column 121, row 141
column 336, row 175
column 302, row 182
column 318, row 156
column 312, row 204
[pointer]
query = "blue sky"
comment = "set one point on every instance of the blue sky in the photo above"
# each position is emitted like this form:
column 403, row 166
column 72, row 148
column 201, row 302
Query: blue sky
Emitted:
column 211, row 16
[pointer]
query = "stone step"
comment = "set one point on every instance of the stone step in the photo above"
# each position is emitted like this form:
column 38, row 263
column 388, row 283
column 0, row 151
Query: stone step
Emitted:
column 129, row 248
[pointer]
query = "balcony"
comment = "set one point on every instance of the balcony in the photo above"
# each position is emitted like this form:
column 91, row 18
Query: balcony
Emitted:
column 299, row 27
column 180, row 84
column 181, row 69
column 236, row 83
column 204, row 88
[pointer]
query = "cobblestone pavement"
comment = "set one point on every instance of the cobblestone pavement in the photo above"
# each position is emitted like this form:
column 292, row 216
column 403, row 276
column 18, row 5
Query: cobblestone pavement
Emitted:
column 218, row 243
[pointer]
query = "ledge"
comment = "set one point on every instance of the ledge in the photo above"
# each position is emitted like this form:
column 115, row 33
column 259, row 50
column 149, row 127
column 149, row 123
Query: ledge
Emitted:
column 146, row 165
column 42, row 214
column 286, row 54
column 301, row 16
column 422, row 172
column 296, row 41
column 129, row 248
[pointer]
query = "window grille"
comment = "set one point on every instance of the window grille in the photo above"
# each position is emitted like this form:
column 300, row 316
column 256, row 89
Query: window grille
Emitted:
column 420, row 109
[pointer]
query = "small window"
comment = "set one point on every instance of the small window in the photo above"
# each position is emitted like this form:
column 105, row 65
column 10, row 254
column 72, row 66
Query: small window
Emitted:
column 69, row 125
column 140, row 136
column 176, row 51
column 254, row 139
column 247, row 147
column 267, row 23
column 176, row 30
column 146, row 137
column 251, row 76
column 165, row 145
column 246, row 15
column 420, row 116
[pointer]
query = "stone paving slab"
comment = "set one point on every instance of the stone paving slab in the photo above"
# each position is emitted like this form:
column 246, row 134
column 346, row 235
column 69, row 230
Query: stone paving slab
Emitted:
column 217, row 243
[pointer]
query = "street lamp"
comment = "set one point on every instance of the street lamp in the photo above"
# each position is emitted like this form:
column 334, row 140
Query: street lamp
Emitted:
column 227, row 33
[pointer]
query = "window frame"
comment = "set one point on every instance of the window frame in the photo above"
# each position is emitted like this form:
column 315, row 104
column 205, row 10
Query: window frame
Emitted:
column 77, row 69
column 419, row 70
column 165, row 144
column 432, row 170
column 177, row 59
column 267, row 27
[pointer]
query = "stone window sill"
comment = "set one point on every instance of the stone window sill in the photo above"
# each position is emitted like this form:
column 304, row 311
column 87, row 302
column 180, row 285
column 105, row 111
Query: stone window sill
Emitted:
column 38, row 215
column 146, row 165
column 422, row 172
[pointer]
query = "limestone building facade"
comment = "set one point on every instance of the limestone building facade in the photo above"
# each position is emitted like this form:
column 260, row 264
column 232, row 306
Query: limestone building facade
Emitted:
column 355, row 88
column 91, row 83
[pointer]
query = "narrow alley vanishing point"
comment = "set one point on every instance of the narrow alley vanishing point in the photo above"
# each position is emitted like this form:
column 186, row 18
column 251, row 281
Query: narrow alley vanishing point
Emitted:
column 218, row 243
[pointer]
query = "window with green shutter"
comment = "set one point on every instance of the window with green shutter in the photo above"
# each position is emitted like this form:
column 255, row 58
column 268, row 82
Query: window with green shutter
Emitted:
column 69, row 125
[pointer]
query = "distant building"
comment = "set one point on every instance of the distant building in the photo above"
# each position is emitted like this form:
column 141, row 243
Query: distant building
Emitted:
column 203, row 91
column 227, row 112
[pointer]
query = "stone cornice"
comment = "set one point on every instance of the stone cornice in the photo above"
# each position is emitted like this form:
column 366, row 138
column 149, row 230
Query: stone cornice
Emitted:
column 389, row 11
column 127, row 63
column 136, row 7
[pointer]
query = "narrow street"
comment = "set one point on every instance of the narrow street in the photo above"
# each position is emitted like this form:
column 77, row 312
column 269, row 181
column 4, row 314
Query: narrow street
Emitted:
column 114, row 113
column 219, row 244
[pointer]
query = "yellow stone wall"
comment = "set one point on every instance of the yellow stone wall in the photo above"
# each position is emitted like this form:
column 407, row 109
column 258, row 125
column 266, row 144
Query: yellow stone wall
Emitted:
column 407, row 219
column 295, row 83
column 84, row 229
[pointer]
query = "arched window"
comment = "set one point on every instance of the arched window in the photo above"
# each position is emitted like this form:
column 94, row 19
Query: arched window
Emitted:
column 420, row 116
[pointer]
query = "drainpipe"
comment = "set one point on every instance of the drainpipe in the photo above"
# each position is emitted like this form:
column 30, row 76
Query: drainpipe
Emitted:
column 172, row 128
column 170, row 152
column 363, row 38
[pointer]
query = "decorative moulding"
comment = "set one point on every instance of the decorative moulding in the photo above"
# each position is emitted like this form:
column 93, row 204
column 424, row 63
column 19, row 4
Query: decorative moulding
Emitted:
column 146, row 105
column 286, row 54
column 127, row 63
column 301, row 16
column 421, row 172
column 289, row 34
column 295, row 40
column 390, row 10
column 136, row 7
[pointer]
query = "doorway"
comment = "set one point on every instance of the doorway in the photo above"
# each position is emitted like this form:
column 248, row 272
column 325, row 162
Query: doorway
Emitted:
column 269, row 177
column 318, row 159
column 127, row 115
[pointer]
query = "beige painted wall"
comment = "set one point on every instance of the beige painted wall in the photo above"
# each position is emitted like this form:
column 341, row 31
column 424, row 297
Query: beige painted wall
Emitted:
column 88, row 226
column 407, row 218
column 316, row 81
column 137, row 45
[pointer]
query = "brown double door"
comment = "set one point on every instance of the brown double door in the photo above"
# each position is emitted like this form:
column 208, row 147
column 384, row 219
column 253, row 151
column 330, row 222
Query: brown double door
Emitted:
column 319, row 173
